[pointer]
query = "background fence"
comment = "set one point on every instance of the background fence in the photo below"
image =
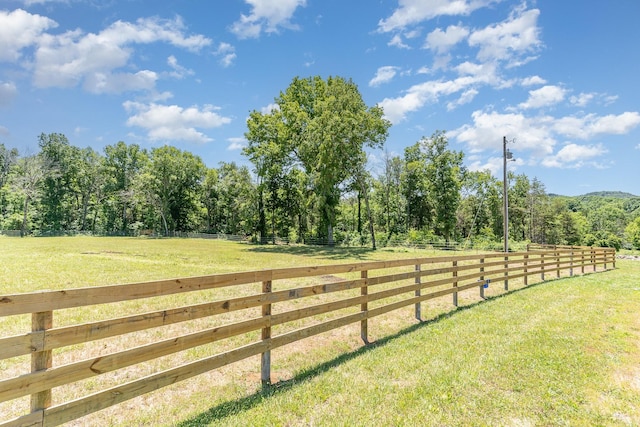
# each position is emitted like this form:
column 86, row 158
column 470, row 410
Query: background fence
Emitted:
column 231, row 317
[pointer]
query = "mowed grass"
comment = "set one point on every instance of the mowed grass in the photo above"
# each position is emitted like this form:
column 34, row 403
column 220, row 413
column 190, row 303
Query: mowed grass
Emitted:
column 564, row 352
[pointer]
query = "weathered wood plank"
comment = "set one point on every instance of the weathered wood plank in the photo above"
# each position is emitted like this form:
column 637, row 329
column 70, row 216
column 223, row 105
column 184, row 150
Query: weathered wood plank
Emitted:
column 31, row 420
column 44, row 380
column 69, row 411
column 56, row 300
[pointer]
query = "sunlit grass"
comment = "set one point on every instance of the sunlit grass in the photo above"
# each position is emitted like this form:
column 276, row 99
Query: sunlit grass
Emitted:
column 560, row 353
column 563, row 352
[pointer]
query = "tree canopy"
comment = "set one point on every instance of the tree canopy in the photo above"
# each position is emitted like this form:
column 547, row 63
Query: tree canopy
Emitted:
column 322, row 126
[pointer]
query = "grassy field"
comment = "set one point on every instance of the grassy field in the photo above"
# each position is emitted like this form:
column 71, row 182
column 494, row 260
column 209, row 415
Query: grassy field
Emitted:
column 564, row 352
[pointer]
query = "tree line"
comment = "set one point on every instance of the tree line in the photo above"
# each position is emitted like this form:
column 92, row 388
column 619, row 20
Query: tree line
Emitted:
column 309, row 180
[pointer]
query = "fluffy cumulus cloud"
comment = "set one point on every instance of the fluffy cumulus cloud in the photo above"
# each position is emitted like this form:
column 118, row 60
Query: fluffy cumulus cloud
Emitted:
column 576, row 156
column 532, row 81
column 442, row 41
column 544, row 97
column 489, row 128
column 174, row 123
column 384, row 75
column 411, row 12
column 226, row 54
column 498, row 47
column 20, row 29
column 539, row 135
column 93, row 60
column 509, row 40
column 417, row 96
column 266, row 16
column 591, row 125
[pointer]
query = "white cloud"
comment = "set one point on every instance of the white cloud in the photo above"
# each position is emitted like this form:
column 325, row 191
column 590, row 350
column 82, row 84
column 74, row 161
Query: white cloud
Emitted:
column 465, row 98
column 8, row 92
column 540, row 134
column 106, row 82
column 591, row 125
column 582, row 100
column 226, row 53
column 489, row 128
column 612, row 124
column 384, row 75
column 179, row 71
column 270, row 108
column 410, row 12
column 543, row 97
column 575, row 156
column 20, row 29
column 267, row 16
column 236, row 143
column 442, row 41
column 73, row 57
column 172, row 122
column 417, row 96
column 508, row 40
column 4, row 131
column 533, row 81
column 396, row 41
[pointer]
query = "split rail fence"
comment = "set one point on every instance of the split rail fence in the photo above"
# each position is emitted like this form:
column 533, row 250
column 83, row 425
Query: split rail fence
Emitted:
column 264, row 310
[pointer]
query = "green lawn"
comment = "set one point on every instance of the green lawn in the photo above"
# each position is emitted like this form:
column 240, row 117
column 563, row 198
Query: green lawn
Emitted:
column 564, row 352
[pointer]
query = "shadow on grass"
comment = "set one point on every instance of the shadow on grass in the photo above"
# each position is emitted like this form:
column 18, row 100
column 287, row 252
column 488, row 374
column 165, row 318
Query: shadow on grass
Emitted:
column 314, row 251
column 233, row 407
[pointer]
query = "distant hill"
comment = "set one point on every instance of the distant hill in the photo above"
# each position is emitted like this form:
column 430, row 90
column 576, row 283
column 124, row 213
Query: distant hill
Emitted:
column 603, row 194
column 610, row 194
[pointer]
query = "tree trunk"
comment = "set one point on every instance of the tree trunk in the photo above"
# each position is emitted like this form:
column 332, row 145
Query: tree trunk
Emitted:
column 262, row 221
column 24, row 216
column 330, row 235
column 360, row 213
column 368, row 207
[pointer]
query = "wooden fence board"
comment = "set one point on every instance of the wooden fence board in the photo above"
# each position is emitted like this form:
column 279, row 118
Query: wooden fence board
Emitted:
column 63, row 413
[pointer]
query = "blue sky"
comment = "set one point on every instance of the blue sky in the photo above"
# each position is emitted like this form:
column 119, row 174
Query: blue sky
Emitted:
column 558, row 78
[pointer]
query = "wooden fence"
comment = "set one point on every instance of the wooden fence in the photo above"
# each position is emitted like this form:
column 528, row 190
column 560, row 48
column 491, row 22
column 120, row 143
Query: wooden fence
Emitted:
column 269, row 308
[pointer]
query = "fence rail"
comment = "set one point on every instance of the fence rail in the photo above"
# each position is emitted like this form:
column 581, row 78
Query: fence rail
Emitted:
column 261, row 310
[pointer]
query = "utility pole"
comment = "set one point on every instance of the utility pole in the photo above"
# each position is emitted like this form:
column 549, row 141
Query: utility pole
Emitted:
column 506, row 155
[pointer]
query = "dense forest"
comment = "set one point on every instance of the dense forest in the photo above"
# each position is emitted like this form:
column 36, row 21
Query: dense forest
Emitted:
column 424, row 196
column 309, row 181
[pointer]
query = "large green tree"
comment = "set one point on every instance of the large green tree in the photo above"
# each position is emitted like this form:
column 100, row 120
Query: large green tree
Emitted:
column 122, row 168
column 172, row 183
column 322, row 126
column 444, row 174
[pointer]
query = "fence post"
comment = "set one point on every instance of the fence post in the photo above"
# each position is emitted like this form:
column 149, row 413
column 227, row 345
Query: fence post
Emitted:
column 265, row 361
column 582, row 260
column 526, row 270
column 455, row 283
column 542, row 266
column 364, row 307
column 613, row 258
column 571, row 263
column 482, row 278
column 593, row 258
column 41, row 359
column 506, row 273
column 418, row 306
